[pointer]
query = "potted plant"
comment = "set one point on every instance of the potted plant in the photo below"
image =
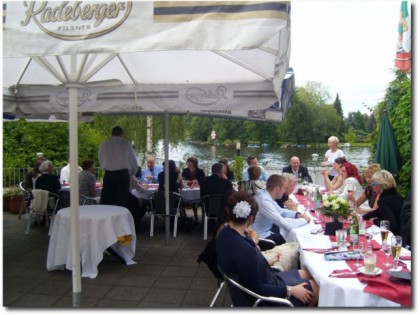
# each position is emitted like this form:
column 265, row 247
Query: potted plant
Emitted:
column 336, row 208
column 12, row 199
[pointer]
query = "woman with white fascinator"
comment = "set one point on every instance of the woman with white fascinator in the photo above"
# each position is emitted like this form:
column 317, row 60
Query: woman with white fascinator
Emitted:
column 239, row 257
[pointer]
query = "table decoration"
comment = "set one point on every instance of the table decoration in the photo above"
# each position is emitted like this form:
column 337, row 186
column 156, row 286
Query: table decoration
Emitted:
column 336, row 208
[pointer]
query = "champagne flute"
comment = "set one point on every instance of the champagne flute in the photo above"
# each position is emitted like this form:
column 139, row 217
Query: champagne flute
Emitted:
column 384, row 226
column 387, row 251
column 396, row 242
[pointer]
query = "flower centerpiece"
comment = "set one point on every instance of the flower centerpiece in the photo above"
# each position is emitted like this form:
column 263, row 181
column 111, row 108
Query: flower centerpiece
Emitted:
column 335, row 207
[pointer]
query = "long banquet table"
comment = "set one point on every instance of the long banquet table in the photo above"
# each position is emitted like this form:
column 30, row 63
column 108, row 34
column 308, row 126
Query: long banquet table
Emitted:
column 100, row 228
column 334, row 292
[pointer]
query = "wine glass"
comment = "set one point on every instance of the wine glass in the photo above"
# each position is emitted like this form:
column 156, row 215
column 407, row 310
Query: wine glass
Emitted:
column 384, row 226
column 387, row 251
column 396, row 242
column 350, row 189
column 305, row 181
column 369, row 237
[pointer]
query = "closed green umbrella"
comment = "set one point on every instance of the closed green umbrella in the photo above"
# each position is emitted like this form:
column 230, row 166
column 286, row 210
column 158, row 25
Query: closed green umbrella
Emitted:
column 387, row 152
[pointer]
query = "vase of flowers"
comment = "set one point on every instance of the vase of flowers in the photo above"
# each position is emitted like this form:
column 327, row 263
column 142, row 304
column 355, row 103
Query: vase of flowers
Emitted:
column 336, row 208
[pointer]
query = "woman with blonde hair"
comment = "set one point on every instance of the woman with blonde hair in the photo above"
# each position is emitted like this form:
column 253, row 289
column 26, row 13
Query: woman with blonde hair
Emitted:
column 389, row 202
column 368, row 194
column 333, row 153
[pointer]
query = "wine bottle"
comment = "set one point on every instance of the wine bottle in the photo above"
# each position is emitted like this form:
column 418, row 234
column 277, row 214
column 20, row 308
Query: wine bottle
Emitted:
column 317, row 199
column 354, row 229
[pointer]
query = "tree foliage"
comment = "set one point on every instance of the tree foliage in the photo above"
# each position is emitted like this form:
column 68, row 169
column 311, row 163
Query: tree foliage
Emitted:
column 398, row 103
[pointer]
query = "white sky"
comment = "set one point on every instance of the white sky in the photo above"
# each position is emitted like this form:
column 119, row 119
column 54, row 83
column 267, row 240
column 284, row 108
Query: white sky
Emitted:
column 348, row 46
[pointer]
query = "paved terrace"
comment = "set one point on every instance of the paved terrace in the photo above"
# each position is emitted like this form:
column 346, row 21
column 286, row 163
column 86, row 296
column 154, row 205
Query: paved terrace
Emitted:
column 165, row 276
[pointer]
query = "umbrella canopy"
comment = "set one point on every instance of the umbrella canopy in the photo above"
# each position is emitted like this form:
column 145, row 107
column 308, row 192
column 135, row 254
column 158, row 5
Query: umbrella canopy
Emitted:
column 387, row 152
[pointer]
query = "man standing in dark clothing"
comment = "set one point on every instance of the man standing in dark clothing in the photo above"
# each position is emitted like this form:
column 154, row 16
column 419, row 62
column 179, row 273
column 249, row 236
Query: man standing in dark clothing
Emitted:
column 117, row 158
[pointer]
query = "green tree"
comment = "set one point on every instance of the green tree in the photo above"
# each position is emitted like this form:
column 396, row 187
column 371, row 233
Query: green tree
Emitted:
column 350, row 136
column 337, row 106
column 398, row 103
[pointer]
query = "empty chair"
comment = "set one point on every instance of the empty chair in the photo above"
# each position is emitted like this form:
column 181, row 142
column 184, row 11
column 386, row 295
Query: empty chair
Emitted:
column 241, row 296
column 211, row 207
column 44, row 204
column 157, row 207
column 86, row 200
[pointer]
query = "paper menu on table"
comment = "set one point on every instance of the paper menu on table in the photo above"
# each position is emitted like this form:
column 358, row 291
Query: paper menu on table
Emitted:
column 310, row 241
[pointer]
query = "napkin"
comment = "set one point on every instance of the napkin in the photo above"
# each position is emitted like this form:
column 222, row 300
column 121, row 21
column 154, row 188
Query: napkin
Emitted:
column 375, row 245
column 343, row 273
column 405, row 257
column 397, row 292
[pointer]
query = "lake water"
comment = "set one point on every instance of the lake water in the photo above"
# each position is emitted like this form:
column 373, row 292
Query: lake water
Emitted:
column 269, row 156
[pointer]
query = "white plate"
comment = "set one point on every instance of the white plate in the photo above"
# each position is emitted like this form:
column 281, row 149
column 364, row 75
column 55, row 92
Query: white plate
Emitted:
column 377, row 272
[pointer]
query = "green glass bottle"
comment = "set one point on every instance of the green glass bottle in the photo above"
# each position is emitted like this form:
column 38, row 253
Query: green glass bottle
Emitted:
column 354, row 229
column 317, row 199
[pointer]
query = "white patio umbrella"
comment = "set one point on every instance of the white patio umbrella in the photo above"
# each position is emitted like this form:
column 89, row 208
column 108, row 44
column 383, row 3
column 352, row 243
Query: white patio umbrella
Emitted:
column 210, row 58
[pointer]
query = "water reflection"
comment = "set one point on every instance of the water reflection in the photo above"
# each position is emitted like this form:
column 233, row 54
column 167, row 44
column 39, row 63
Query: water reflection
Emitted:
column 272, row 157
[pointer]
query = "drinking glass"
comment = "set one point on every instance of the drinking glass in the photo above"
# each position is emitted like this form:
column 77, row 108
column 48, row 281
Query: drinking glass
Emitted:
column 369, row 237
column 357, row 248
column 396, row 242
column 370, row 263
column 350, row 189
column 384, row 226
column 387, row 251
column 305, row 181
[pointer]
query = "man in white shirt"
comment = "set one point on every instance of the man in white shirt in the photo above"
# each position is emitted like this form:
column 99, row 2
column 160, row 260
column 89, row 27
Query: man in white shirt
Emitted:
column 65, row 173
column 117, row 158
column 270, row 212
column 253, row 161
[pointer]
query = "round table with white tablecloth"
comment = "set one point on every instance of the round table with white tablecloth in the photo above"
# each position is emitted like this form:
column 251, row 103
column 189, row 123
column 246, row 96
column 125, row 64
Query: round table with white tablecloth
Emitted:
column 101, row 226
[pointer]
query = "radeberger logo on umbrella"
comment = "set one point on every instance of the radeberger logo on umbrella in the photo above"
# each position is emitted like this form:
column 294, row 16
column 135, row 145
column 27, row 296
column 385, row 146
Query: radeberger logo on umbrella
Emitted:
column 200, row 96
column 76, row 20
column 84, row 96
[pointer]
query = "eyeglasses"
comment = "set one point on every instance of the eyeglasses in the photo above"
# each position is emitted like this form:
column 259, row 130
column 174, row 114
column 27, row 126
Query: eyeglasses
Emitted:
column 373, row 183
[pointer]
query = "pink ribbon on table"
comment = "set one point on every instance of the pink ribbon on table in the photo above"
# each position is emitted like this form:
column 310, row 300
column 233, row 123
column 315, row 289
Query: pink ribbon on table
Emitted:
column 343, row 273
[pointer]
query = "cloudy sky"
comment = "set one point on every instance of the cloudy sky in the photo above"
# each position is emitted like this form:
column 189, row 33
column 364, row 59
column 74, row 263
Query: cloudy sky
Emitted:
column 348, row 46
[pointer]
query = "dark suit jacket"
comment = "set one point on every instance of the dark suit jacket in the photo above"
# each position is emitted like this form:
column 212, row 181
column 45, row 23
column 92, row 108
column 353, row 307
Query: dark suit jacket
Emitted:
column 213, row 185
column 303, row 172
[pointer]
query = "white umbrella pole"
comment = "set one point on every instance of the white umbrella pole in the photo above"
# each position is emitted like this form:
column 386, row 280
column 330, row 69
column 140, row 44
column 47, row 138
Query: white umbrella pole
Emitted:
column 74, row 193
column 166, row 149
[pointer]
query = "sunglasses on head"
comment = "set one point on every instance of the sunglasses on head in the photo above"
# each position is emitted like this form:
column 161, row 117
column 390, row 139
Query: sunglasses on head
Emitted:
column 375, row 183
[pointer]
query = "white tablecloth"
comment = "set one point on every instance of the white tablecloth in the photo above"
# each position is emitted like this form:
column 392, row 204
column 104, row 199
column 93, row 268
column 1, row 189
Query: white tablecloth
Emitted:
column 334, row 292
column 187, row 194
column 100, row 225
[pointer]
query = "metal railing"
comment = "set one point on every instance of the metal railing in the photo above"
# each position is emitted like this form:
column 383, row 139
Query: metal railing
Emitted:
column 13, row 176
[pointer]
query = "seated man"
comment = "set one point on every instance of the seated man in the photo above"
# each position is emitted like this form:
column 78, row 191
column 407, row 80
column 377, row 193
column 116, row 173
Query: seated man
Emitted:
column 270, row 213
column 297, row 170
column 253, row 161
column 216, row 183
column 288, row 200
column 150, row 173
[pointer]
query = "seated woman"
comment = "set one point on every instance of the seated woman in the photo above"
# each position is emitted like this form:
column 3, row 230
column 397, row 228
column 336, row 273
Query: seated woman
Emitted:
column 238, row 257
column 48, row 180
column 389, row 203
column 226, row 170
column 193, row 175
column 369, row 194
column 254, row 183
column 337, row 181
column 351, row 176
column 87, row 181
column 175, row 180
